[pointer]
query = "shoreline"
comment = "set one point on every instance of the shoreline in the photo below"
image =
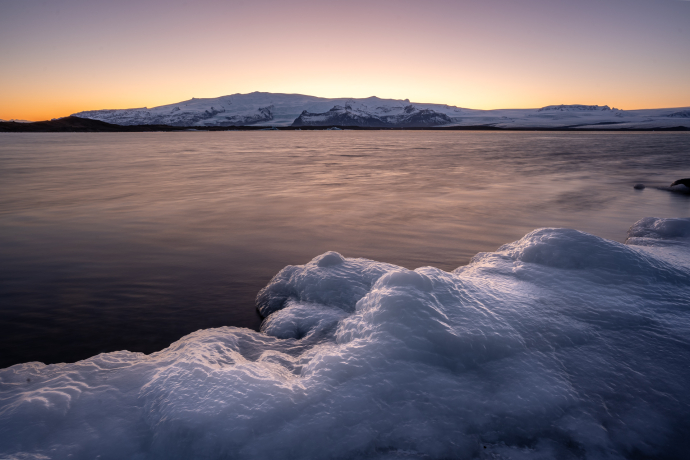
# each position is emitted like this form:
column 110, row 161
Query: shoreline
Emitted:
column 85, row 125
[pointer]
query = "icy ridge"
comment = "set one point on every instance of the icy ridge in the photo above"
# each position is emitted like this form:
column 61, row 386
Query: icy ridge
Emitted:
column 559, row 345
column 575, row 108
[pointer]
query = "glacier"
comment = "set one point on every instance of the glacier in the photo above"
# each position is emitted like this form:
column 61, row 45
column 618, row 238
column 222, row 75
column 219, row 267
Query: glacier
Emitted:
column 277, row 109
column 559, row 345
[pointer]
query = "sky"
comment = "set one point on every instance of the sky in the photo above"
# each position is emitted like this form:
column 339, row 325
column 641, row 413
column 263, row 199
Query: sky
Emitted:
column 58, row 57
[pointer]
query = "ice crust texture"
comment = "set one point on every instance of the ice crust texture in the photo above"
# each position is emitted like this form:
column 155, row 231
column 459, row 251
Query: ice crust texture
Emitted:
column 560, row 345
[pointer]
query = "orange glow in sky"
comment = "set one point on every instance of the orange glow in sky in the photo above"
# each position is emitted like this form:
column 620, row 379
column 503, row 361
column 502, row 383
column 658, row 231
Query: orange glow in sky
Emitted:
column 64, row 56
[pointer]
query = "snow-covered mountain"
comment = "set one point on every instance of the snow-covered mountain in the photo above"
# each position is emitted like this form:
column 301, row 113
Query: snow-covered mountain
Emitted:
column 281, row 110
column 275, row 109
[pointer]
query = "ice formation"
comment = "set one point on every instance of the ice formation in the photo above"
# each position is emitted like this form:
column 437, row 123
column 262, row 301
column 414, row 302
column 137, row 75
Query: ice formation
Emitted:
column 560, row 345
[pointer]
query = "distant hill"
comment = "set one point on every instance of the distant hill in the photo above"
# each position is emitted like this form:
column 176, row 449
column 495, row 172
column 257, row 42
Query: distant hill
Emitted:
column 16, row 121
column 76, row 124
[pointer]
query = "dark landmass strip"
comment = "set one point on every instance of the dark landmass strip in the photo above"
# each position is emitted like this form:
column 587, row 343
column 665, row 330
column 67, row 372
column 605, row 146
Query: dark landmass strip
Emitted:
column 85, row 125
column 76, row 124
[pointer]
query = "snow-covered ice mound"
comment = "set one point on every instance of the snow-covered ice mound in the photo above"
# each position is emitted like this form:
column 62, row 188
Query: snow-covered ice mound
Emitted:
column 560, row 345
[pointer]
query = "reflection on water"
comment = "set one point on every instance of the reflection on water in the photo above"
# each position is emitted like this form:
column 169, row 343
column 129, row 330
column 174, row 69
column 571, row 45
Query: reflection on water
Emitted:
column 130, row 241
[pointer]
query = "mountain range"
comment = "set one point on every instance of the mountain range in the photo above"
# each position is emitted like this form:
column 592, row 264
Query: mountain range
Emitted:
column 276, row 109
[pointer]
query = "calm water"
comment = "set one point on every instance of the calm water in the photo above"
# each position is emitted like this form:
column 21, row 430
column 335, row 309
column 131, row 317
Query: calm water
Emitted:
column 130, row 241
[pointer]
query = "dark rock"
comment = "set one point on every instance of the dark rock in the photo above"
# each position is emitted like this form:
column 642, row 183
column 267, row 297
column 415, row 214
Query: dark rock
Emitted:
column 639, row 187
column 681, row 186
column 685, row 182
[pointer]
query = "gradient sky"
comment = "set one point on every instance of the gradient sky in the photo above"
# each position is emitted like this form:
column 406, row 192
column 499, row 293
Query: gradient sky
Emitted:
column 58, row 57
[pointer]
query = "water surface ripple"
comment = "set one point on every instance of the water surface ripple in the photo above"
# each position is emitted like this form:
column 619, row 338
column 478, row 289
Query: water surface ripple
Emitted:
column 130, row 241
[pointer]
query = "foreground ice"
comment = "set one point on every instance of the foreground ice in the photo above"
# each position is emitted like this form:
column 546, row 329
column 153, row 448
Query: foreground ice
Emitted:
column 560, row 345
